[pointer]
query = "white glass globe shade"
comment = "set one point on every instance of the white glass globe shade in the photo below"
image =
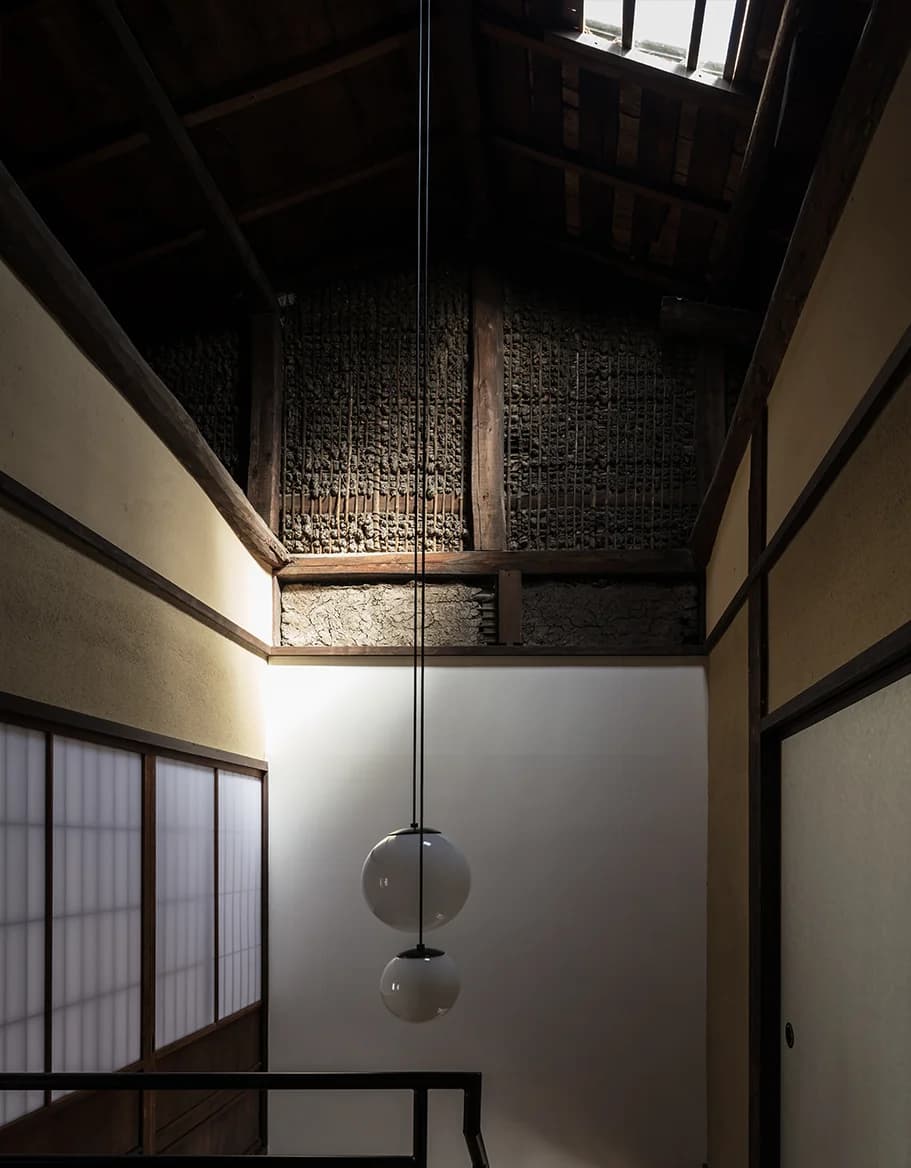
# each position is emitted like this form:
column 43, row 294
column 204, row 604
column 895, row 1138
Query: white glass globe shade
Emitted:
column 390, row 879
column 420, row 985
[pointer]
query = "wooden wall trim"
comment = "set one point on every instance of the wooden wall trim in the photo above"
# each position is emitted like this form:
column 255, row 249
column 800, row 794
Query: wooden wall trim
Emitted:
column 43, row 265
column 880, row 55
column 17, row 496
column 896, row 370
column 872, row 668
column 675, row 562
column 43, row 714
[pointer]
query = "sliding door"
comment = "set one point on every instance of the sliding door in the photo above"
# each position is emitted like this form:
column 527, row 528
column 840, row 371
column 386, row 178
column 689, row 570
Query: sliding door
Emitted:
column 846, row 937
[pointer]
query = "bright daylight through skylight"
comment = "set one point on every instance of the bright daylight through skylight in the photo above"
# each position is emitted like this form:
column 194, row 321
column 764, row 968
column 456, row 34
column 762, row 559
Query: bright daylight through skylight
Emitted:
column 662, row 27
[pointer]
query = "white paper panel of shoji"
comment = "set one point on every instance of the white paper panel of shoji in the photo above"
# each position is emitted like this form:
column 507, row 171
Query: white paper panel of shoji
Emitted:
column 239, row 891
column 185, row 896
column 21, row 912
column 97, row 907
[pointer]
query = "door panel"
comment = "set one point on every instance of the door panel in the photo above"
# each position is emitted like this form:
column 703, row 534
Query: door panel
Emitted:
column 846, row 937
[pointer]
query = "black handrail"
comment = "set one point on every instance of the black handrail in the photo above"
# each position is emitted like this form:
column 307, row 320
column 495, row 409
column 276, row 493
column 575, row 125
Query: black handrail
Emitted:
column 419, row 1083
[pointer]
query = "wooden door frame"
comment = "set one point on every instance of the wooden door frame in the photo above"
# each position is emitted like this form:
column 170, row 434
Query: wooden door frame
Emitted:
column 876, row 668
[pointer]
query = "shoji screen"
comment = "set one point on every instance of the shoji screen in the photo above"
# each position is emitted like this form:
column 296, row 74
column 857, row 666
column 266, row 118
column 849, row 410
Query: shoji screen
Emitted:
column 239, row 891
column 22, row 908
column 185, row 899
column 97, row 907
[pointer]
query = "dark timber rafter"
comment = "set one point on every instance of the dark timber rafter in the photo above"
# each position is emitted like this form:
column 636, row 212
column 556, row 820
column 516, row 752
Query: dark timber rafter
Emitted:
column 165, row 125
column 318, row 68
column 458, row 46
column 758, row 151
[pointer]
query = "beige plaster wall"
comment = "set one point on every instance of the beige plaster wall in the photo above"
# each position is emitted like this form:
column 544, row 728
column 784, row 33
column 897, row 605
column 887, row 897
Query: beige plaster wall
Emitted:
column 76, row 635
column 727, row 1019
column 857, row 310
column 729, row 564
column 843, row 583
column 69, row 436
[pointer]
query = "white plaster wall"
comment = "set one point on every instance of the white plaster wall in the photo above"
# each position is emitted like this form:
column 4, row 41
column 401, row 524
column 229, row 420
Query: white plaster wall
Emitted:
column 579, row 795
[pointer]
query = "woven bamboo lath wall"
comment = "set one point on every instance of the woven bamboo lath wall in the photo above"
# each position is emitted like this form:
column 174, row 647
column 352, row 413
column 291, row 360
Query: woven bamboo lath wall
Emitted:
column 348, row 480
column 599, row 427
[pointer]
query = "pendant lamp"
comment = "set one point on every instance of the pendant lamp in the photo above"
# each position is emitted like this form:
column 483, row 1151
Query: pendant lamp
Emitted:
column 420, row 984
column 391, row 890
column 415, row 879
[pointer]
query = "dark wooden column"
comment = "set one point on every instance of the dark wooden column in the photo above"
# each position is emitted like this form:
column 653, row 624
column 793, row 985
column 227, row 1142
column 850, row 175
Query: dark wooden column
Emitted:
column 266, row 384
column 488, row 496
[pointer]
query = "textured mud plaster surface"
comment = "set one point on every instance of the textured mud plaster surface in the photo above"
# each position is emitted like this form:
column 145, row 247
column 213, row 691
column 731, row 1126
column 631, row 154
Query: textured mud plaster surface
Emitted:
column 204, row 372
column 600, row 422
column 620, row 617
column 348, row 481
column 382, row 614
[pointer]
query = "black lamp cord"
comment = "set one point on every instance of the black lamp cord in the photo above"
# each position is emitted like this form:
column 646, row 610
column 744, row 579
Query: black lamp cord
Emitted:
column 421, row 372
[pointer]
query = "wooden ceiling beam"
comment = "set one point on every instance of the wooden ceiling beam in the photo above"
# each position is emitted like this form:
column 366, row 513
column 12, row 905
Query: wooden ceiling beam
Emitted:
column 321, row 67
column 878, row 60
column 620, row 179
column 262, row 210
column 165, row 125
column 458, row 49
column 715, row 322
column 606, row 58
column 518, row 242
column 758, row 151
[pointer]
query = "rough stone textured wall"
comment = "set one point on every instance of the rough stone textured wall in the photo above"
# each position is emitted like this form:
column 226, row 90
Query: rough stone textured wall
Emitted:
column 382, row 614
column 348, row 468
column 204, row 372
column 615, row 617
column 600, row 422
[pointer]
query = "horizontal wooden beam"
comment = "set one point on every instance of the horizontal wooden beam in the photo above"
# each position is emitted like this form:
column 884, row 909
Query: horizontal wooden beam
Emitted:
column 405, row 653
column 43, row 265
column 616, row 177
column 598, row 55
column 519, row 240
column 400, row 565
column 709, row 322
column 320, row 67
column 880, row 55
column 166, row 126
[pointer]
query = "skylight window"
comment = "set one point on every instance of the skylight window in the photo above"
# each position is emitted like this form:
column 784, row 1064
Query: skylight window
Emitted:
column 665, row 29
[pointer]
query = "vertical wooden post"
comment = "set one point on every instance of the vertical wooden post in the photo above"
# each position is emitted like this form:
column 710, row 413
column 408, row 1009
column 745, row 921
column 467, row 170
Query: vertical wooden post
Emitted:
column 264, row 959
column 264, row 467
column 48, row 906
column 509, row 607
column 488, row 501
column 710, row 412
column 147, row 961
column 762, row 845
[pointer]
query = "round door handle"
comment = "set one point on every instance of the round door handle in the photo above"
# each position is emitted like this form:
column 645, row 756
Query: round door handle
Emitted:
column 789, row 1035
